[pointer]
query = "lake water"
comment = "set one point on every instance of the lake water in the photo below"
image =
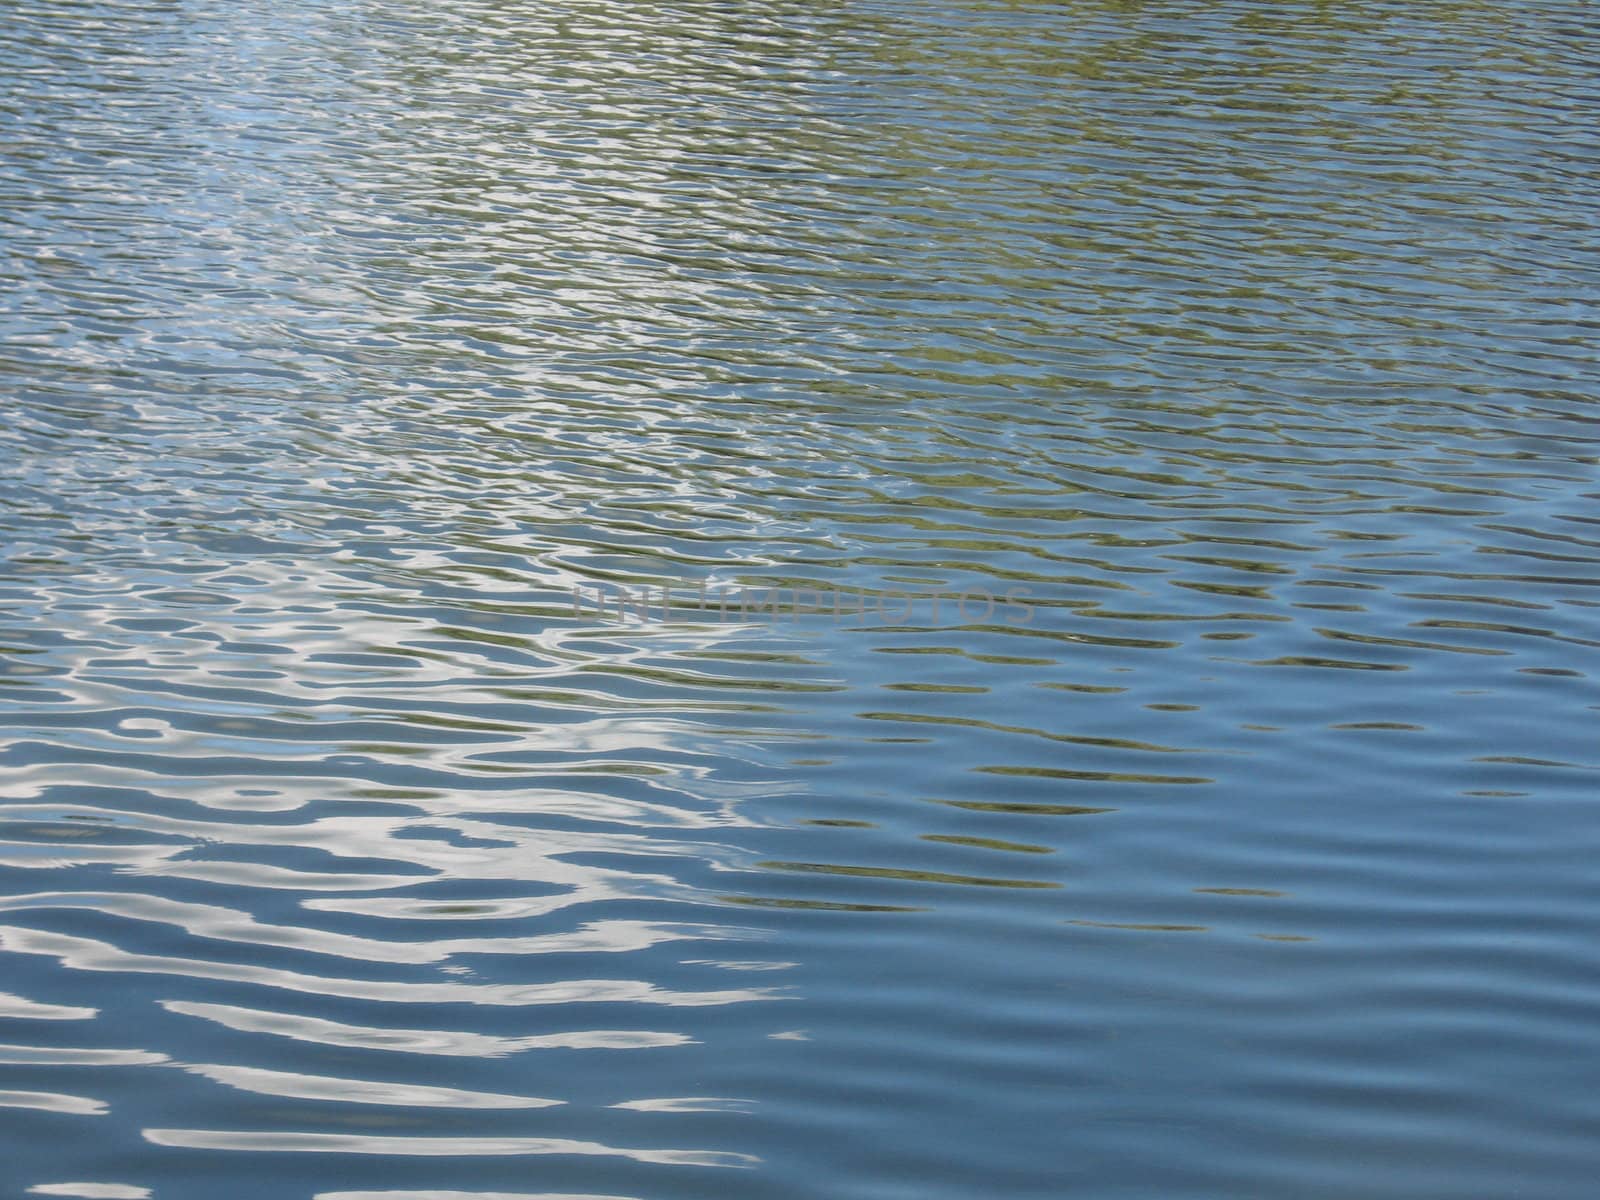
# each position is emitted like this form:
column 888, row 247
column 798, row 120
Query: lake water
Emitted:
column 1247, row 851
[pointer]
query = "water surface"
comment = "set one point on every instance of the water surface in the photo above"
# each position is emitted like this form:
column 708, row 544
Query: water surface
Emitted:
column 1252, row 344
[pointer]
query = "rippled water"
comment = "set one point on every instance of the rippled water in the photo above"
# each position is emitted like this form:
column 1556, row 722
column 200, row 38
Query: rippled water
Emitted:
column 1250, row 857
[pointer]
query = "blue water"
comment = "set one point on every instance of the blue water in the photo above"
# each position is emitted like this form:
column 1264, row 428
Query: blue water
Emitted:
column 1246, row 854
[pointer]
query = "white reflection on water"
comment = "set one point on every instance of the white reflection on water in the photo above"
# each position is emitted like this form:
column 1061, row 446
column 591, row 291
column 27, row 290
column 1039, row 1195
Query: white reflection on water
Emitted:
column 440, row 1194
column 89, row 954
column 358, row 1091
column 55, row 1102
column 449, row 1042
column 32, row 1010
column 431, row 1147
